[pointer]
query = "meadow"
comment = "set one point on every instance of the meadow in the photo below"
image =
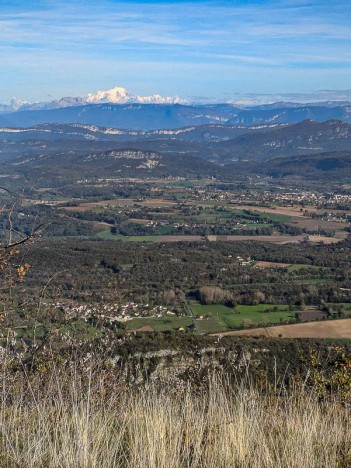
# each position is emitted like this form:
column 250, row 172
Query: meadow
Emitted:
column 159, row 323
column 211, row 318
column 215, row 318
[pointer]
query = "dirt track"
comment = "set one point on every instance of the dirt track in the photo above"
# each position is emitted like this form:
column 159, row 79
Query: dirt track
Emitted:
column 262, row 264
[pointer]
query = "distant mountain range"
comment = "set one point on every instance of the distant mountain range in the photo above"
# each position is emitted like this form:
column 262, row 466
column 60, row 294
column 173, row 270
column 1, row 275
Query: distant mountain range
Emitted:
column 117, row 95
column 306, row 137
column 67, row 167
column 275, row 114
column 118, row 108
column 128, row 116
column 199, row 133
column 219, row 143
column 113, row 163
column 147, row 117
column 332, row 166
column 61, row 154
column 115, row 133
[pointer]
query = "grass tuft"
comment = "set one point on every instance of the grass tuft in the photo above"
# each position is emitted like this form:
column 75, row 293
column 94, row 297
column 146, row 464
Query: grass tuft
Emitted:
column 75, row 421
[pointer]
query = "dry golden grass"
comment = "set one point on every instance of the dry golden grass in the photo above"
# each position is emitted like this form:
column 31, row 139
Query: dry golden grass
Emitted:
column 76, row 425
column 318, row 329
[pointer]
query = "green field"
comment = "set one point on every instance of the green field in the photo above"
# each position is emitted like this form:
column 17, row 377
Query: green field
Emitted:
column 160, row 323
column 180, row 183
column 275, row 218
column 261, row 308
column 211, row 325
column 219, row 318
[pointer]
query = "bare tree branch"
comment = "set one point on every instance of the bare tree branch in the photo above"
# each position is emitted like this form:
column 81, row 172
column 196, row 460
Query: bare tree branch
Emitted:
column 38, row 230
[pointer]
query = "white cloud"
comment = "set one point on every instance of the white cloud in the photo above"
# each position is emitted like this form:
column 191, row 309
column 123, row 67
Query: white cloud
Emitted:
column 276, row 43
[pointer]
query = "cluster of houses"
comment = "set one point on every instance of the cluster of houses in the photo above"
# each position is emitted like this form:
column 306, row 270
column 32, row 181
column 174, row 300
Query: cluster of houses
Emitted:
column 262, row 197
column 244, row 261
column 302, row 197
column 113, row 312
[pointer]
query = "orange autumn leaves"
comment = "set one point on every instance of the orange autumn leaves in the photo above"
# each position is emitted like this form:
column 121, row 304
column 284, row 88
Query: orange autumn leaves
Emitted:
column 23, row 269
column 8, row 262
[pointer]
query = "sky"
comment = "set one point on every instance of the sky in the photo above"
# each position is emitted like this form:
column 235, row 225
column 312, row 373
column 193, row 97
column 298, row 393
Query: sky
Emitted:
column 241, row 50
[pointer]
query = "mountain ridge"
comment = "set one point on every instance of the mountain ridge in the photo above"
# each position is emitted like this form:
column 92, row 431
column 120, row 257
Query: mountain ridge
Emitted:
column 116, row 95
column 151, row 116
column 219, row 143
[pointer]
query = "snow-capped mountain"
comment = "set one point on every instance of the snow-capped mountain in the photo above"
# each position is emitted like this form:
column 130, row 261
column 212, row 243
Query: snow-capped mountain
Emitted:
column 120, row 95
column 13, row 105
column 117, row 95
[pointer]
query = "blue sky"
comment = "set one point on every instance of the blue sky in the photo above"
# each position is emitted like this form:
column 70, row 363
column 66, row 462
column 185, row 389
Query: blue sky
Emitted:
column 202, row 50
